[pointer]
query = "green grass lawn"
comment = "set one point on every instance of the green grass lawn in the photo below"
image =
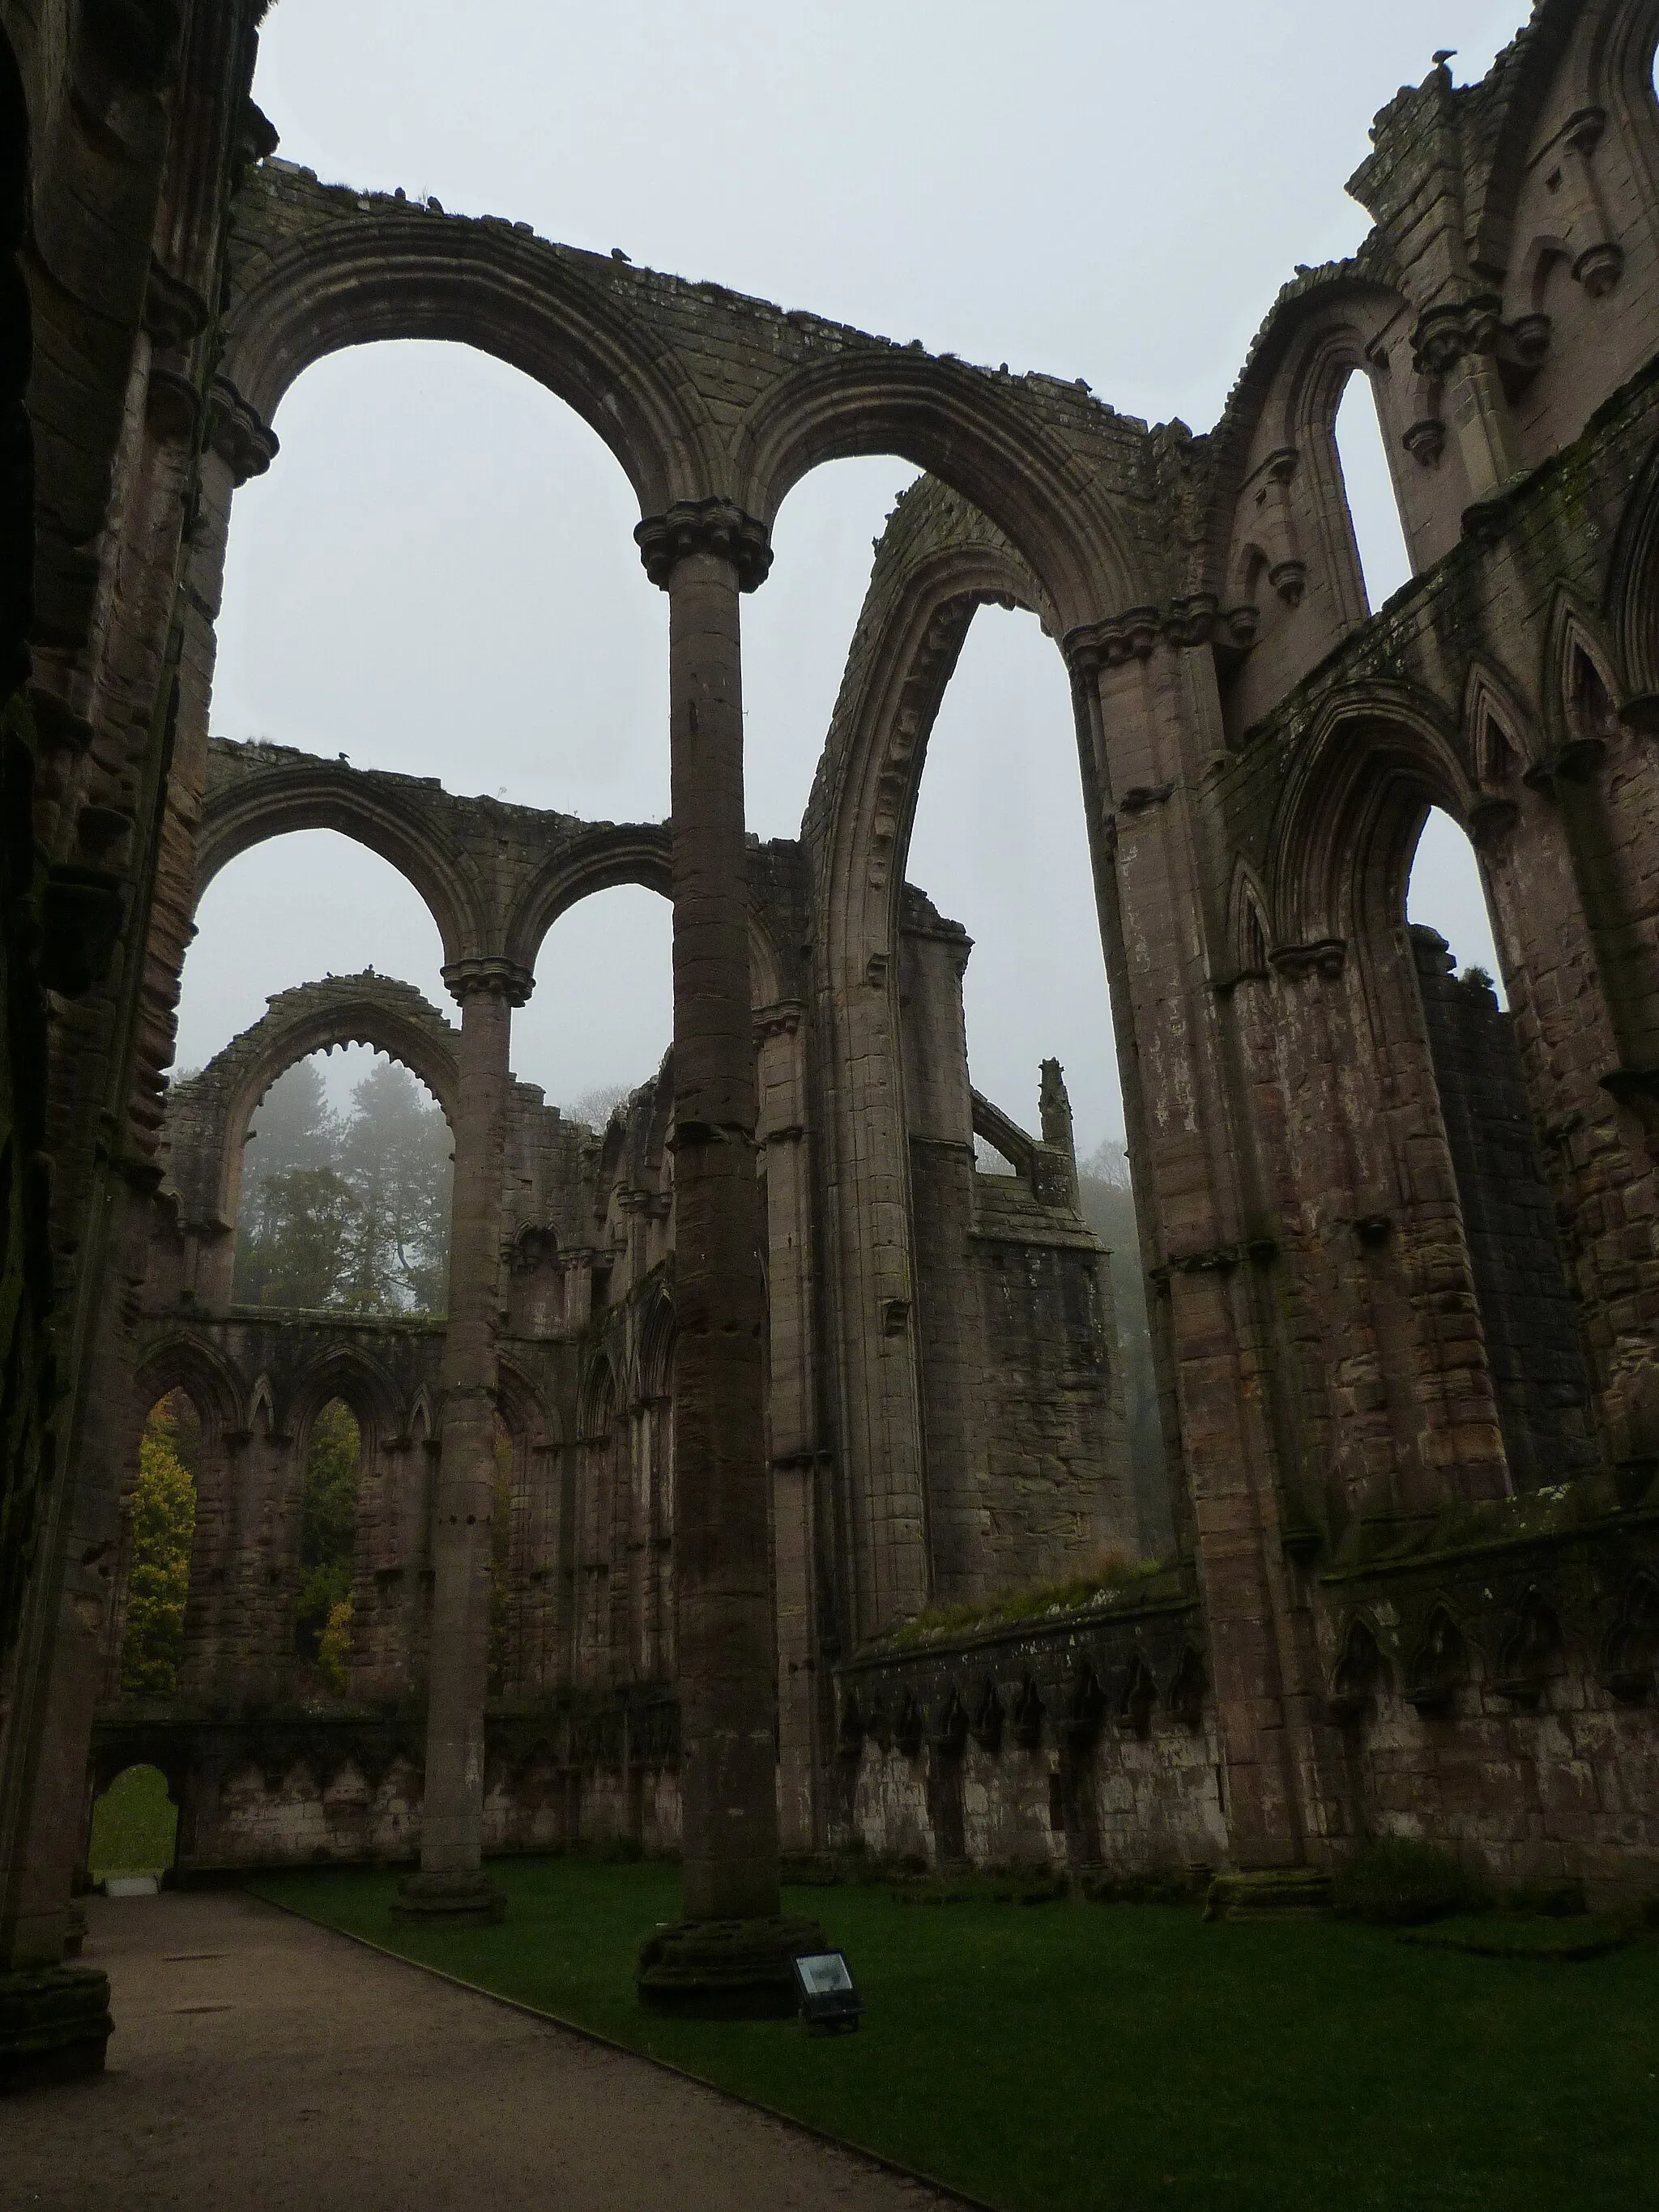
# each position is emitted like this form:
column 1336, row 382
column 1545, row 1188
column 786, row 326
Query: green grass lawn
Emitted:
column 134, row 1825
column 1107, row 2059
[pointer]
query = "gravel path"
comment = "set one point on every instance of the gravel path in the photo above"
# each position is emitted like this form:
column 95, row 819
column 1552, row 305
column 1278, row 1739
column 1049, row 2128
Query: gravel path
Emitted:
column 260, row 2061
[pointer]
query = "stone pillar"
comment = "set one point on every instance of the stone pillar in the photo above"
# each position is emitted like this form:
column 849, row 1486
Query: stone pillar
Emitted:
column 451, row 1884
column 705, row 554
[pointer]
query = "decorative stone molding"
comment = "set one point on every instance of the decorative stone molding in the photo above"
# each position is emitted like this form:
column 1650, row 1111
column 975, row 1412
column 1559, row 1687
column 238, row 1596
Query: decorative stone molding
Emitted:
column 1141, row 797
column 174, row 312
column 783, row 1019
column 1447, row 333
column 1326, row 956
column 245, row 445
column 491, row 972
column 717, row 527
column 1425, row 441
column 1184, row 622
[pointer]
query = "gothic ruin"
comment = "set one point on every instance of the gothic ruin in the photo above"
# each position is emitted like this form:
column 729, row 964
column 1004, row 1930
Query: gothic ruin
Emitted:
column 796, row 1395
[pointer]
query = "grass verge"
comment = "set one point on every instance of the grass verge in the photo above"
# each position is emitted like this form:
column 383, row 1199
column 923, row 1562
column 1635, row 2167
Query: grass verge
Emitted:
column 1109, row 2059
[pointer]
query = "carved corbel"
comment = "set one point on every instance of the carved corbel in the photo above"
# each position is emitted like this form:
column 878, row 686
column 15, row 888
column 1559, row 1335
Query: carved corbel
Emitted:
column 1491, row 821
column 1450, row 331
column 1600, row 262
column 1326, row 956
column 174, row 312
column 245, row 445
column 1425, row 441
column 1287, row 571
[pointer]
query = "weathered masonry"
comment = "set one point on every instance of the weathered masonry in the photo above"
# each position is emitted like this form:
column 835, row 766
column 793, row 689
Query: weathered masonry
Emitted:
column 1400, row 1246
column 1014, row 1304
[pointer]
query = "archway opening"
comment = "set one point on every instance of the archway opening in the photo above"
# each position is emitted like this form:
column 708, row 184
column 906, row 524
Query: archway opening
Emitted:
column 161, row 1530
column 1368, row 481
column 1445, row 893
column 346, row 1210
column 797, row 630
column 999, row 843
column 135, row 1828
column 404, row 533
column 323, row 1612
column 602, row 1014
column 310, row 903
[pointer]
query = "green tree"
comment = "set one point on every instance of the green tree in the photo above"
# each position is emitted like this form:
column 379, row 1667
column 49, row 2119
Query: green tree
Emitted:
column 347, row 1212
column 328, row 1535
column 163, row 1524
column 395, row 1155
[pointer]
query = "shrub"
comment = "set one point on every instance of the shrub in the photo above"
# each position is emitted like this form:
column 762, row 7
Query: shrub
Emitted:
column 1396, row 1882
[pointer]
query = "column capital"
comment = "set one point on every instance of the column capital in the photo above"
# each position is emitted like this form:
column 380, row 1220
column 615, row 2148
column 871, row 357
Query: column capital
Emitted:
column 489, row 972
column 1453, row 329
column 1195, row 619
column 705, row 525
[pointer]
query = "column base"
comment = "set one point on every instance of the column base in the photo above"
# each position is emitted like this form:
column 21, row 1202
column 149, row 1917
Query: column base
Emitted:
column 448, row 1900
column 54, row 2023
column 725, row 1969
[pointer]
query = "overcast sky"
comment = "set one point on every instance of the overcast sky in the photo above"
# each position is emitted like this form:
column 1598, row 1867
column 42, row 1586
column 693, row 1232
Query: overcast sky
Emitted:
column 438, row 575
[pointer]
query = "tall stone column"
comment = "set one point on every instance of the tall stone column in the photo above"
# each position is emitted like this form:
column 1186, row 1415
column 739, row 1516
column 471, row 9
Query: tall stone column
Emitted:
column 705, row 553
column 450, row 1885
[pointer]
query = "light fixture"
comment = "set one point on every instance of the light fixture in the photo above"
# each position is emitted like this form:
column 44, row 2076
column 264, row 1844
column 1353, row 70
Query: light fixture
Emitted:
column 830, row 2000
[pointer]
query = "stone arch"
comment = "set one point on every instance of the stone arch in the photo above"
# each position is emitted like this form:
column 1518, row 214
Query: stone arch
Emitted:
column 297, row 792
column 1609, row 67
column 937, row 563
column 1441, row 1663
column 360, row 272
column 1576, row 648
column 1278, row 480
column 970, row 430
column 207, row 1117
column 656, row 1348
column 1361, row 1674
column 1250, row 938
column 601, row 859
column 1632, row 594
column 1501, row 744
column 347, row 1370
column 186, row 1362
column 531, row 1420
column 1374, row 763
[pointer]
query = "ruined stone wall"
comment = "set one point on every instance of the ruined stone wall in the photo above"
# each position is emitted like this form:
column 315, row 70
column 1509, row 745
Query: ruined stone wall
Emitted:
column 583, row 1651
column 1082, row 1743
column 1509, row 1217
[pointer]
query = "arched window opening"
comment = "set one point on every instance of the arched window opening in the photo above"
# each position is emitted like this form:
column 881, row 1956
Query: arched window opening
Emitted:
column 999, row 844
column 796, row 632
column 1368, row 481
column 404, row 533
column 1446, row 895
column 163, row 1527
column 308, row 905
column 602, row 1013
column 346, row 1209
column 135, row 1828
column 328, row 1538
